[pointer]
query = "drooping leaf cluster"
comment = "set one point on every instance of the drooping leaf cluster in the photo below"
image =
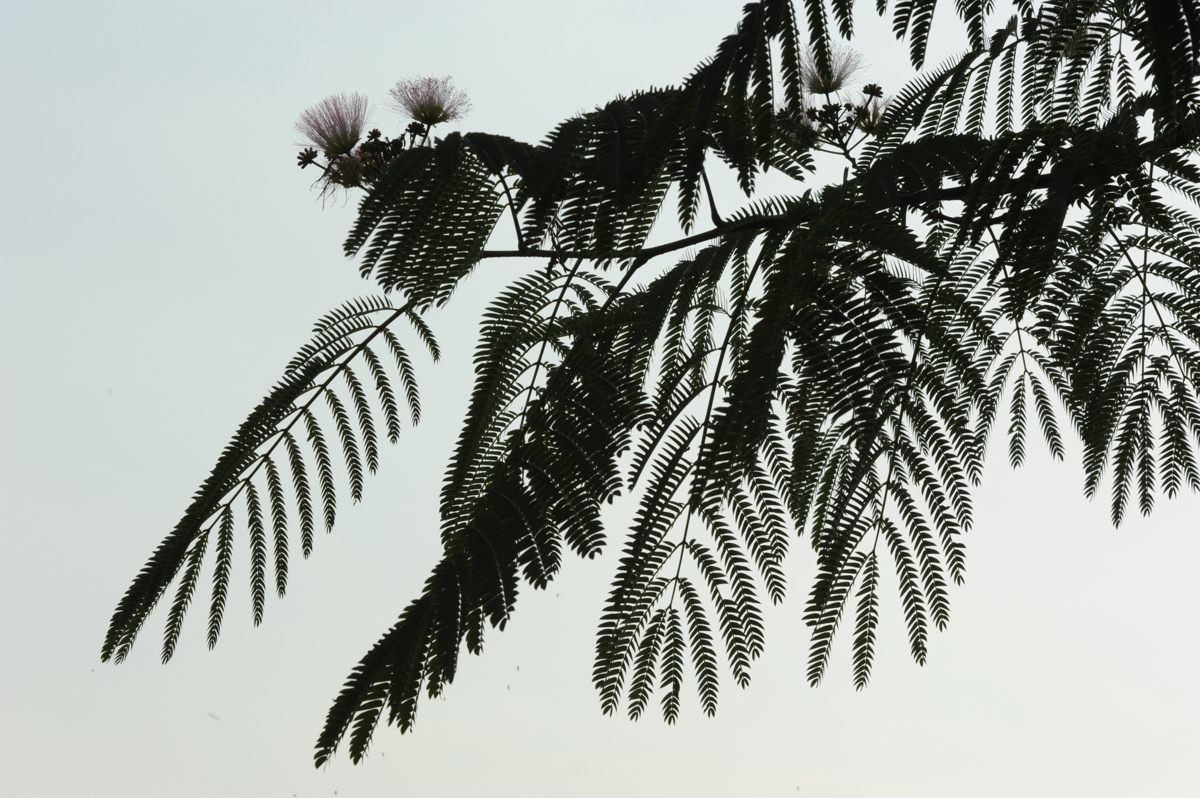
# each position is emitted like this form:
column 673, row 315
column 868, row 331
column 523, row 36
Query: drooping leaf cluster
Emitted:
column 1014, row 245
column 277, row 452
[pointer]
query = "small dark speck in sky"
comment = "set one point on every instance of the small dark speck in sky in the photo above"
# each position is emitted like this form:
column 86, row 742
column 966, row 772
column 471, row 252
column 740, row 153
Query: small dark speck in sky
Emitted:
column 214, row 717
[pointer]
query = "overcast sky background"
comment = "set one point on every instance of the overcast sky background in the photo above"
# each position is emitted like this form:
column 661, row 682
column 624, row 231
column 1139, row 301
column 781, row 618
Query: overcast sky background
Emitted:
column 161, row 258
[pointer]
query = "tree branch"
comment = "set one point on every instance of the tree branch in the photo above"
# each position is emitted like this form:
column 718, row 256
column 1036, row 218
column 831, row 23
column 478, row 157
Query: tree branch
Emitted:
column 639, row 256
column 920, row 199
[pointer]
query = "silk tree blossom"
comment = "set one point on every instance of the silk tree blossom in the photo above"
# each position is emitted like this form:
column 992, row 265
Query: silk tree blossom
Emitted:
column 872, row 107
column 336, row 123
column 430, row 101
column 844, row 64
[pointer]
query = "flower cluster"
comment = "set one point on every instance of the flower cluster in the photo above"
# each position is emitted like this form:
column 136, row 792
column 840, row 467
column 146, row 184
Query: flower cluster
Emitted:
column 830, row 114
column 335, row 124
column 430, row 101
column 834, row 124
column 844, row 64
column 334, row 128
column 870, row 109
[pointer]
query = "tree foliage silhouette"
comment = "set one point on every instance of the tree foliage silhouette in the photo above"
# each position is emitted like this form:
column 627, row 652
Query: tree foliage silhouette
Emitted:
column 1015, row 243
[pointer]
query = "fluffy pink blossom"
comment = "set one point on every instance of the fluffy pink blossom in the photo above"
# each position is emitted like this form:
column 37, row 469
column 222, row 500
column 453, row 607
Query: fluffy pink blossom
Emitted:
column 430, row 101
column 336, row 123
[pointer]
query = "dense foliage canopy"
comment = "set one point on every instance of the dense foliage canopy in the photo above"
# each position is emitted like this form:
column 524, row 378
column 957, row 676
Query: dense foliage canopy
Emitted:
column 1014, row 243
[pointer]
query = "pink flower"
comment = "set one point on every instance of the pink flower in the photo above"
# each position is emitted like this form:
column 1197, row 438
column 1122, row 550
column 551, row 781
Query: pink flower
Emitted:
column 430, row 100
column 336, row 123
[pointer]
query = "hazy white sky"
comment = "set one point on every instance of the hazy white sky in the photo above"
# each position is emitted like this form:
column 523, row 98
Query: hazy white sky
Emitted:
column 161, row 258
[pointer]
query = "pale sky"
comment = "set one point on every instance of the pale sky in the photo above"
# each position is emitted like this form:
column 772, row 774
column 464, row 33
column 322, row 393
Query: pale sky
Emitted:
column 161, row 258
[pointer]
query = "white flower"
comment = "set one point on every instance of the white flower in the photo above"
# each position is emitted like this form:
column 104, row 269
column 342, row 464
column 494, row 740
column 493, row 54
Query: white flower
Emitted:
column 844, row 64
